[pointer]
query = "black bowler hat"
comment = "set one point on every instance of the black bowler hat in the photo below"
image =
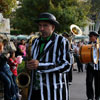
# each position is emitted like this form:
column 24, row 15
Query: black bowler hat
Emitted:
column 47, row 17
column 93, row 33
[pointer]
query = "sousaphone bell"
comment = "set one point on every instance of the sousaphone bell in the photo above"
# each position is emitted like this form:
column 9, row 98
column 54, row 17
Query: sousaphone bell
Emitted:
column 75, row 30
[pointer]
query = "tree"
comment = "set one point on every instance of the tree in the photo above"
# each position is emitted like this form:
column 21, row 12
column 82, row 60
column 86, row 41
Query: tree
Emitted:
column 67, row 12
column 6, row 7
column 71, row 12
column 95, row 13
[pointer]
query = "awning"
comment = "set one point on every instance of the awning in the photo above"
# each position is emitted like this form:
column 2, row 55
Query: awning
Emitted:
column 81, row 37
column 20, row 37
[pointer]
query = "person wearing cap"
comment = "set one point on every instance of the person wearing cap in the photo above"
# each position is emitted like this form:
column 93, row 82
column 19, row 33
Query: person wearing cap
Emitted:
column 49, row 62
column 93, row 73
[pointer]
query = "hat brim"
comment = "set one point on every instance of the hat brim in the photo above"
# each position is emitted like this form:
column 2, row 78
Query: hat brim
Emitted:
column 94, row 35
column 56, row 23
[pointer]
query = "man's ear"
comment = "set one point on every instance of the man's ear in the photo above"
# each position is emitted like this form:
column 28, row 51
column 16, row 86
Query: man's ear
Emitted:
column 53, row 27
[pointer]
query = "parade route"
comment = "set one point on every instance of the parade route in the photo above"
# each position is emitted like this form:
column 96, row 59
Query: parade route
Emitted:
column 78, row 87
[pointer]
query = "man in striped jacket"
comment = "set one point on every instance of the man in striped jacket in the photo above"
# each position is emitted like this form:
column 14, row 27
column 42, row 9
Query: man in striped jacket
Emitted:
column 50, row 62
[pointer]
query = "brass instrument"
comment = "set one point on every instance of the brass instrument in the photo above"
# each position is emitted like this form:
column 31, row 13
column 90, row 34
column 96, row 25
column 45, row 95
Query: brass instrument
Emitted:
column 23, row 79
column 23, row 82
column 75, row 30
column 97, row 44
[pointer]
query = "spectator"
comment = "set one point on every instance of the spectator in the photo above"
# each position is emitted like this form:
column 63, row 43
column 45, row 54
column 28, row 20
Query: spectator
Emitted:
column 6, row 76
column 12, row 61
column 21, row 49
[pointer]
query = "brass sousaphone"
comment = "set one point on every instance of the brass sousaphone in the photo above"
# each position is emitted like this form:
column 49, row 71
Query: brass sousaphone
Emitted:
column 87, row 53
column 75, row 30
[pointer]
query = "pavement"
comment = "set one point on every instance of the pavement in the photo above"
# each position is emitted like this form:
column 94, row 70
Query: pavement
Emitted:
column 77, row 90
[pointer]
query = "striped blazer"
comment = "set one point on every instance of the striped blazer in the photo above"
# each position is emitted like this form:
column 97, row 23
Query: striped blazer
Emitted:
column 53, row 65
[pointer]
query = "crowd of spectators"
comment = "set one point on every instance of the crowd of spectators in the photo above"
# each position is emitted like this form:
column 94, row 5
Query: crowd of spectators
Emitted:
column 9, row 61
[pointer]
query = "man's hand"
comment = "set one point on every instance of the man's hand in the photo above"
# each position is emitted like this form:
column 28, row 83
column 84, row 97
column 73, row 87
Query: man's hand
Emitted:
column 32, row 64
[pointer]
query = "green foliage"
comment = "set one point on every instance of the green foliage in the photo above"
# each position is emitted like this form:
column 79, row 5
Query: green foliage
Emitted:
column 67, row 12
column 15, row 32
column 95, row 6
column 21, row 67
column 95, row 9
column 6, row 6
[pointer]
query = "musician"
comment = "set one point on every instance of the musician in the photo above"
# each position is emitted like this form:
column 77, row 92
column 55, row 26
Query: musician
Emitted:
column 49, row 61
column 93, row 73
column 76, row 55
column 66, row 35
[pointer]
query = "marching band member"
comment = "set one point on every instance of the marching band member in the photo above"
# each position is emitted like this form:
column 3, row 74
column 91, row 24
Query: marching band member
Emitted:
column 49, row 62
column 66, row 35
column 93, row 73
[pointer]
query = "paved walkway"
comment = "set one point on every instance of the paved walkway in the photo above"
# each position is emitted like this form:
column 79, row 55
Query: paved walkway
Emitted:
column 78, row 87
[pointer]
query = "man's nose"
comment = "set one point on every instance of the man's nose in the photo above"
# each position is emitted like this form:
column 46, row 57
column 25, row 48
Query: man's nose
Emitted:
column 41, row 27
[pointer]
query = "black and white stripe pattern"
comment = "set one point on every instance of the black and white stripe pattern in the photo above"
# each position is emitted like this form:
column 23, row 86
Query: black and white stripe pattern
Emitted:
column 52, row 64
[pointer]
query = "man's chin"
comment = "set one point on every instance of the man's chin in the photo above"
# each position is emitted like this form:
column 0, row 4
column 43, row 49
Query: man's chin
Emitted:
column 44, row 35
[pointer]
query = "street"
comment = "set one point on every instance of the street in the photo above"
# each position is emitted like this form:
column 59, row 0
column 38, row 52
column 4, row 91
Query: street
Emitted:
column 78, row 87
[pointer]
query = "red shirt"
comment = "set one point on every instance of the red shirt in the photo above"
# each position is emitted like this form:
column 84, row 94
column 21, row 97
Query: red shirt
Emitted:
column 13, row 65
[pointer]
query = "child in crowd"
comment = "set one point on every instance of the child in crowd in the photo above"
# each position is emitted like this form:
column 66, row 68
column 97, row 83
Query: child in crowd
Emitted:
column 13, row 63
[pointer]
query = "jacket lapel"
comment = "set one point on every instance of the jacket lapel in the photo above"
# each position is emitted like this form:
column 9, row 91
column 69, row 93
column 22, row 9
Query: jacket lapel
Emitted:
column 47, row 48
